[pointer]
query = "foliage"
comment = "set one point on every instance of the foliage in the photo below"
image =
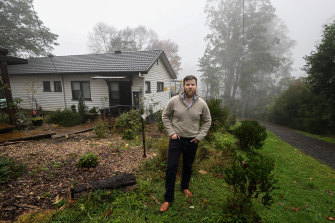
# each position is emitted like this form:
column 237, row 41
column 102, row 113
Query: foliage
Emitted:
column 128, row 120
column 252, row 176
column 22, row 120
column 239, row 209
column 219, row 115
column 128, row 134
column 9, row 169
column 100, row 129
column 73, row 108
column 93, row 110
column 107, row 39
column 299, row 108
column 81, row 109
column 89, row 160
column 160, row 124
column 22, row 32
column 320, row 65
column 64, row 118
column 250, row 135
column 247, row 55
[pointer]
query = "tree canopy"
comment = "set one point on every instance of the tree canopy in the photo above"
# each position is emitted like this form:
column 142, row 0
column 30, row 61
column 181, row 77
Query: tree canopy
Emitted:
column 105, row 38
column 22, row 32
column 247, row 54
column 320, row 65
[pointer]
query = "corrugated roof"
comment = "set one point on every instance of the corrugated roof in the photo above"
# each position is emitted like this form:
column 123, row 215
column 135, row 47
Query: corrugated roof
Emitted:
column 140, row 61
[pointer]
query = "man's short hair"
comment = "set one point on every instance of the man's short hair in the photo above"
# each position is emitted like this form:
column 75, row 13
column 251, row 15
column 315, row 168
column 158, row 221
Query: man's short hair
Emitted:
column 190, row 77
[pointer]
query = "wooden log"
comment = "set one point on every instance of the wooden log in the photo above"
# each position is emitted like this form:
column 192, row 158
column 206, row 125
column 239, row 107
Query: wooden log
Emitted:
column 120, row 181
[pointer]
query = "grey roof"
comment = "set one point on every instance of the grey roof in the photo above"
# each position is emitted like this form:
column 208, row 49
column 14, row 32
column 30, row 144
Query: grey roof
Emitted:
column 118, row 62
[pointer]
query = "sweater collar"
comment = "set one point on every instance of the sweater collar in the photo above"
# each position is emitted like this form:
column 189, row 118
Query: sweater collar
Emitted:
column 182, row 95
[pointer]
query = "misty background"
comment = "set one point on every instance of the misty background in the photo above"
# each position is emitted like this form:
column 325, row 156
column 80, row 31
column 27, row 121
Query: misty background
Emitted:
column 183, row 22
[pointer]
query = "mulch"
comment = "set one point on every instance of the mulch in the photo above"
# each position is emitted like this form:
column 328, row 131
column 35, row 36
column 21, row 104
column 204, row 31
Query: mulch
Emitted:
column 52, row 169
column 318, row 149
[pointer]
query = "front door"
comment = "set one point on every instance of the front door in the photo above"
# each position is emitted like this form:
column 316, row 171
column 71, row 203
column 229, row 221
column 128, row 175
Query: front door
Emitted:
column 119, row 93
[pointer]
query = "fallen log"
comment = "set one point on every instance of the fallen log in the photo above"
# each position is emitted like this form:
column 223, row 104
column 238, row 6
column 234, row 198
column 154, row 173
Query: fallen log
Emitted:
column 119, row 181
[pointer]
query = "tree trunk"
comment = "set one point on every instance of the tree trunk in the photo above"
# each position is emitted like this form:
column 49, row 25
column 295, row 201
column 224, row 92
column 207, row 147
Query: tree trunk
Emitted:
column 120, row 181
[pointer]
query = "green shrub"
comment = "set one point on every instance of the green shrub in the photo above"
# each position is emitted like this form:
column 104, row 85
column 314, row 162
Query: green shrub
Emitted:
column 100, row 130
column 10, row 169
column 252, row 176
column 219, row 115
column 93, row 110
column 64, row 118
column 250, row 135
column 128, row 120
column 73, row 108
column 22, row 120
column 128, row 134
column 89, row 160
column 81, row 109
column 160, row 124
column 239, row 209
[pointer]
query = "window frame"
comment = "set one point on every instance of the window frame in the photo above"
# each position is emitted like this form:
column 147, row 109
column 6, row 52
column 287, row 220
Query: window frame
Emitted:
column 149, row 87
column 162, row 85
column 45, row 85
column 56, row 89
column 81, row 89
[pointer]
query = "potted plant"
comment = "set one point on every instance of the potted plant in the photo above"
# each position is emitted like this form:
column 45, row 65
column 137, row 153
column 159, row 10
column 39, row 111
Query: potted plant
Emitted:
column 37, row 121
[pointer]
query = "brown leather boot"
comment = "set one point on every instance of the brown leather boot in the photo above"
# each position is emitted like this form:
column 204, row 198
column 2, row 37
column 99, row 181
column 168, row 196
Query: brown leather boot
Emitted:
column 165, row 206
column 188, row 193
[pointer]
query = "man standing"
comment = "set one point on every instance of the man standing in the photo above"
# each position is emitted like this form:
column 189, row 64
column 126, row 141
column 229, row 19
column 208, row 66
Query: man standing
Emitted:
column 181, row 118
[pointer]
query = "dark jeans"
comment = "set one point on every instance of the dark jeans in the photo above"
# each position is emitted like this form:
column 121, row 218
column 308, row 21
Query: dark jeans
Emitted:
column 176, row 148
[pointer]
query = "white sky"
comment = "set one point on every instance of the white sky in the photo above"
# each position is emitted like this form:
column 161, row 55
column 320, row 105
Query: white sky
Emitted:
column 182, row 21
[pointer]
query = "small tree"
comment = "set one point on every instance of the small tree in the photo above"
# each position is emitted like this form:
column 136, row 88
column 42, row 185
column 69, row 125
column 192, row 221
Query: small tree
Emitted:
column 250, row 135
column 81, row 108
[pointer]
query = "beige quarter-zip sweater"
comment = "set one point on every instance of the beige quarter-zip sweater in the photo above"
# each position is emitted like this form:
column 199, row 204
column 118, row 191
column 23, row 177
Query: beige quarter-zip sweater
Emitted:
column 177, row 118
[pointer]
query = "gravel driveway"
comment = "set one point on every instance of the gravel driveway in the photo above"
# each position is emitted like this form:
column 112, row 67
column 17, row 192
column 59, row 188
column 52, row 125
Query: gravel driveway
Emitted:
column 320, row 150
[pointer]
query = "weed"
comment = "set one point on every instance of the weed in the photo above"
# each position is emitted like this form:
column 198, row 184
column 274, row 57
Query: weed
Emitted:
column 89, row 160
column 9, row 169
column 100, row 130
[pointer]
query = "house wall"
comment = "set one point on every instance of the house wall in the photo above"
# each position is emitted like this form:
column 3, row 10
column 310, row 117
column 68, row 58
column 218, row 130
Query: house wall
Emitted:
column 157, row 100
column 22, row 86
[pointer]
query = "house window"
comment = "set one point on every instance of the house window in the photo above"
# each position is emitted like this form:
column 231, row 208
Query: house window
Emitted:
column 46, row 86
column 57, row 86
column 160, row 86
column 147, row 87
column 81, row 88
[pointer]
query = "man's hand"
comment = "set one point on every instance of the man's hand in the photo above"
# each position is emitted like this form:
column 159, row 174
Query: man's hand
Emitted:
column 175, row 136
column 195, row 141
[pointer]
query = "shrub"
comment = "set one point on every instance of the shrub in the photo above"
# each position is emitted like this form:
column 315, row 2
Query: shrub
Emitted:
column 10, row 169
column 89, row 160
column 100, row 130
column 160, row 124
column 93, row 110
column 219, row 115
column 128, row 134
column 251, row 176
column 73, row 108
column 128, row 120
column 22, row 120
column 64, row 118
column 250, row 135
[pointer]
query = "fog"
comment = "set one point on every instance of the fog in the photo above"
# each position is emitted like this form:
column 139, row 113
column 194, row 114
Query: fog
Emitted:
column 184, row 22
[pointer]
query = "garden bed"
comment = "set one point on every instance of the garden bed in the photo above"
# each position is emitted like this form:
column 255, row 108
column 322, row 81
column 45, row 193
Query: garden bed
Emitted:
column 52, row 169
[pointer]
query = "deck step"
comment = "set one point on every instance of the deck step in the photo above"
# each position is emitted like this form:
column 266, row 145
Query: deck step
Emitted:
column 5, row 127
column 25, row 135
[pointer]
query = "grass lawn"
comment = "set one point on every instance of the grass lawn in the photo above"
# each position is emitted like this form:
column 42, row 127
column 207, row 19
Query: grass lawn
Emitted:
column 305, row 195
column 324, row 138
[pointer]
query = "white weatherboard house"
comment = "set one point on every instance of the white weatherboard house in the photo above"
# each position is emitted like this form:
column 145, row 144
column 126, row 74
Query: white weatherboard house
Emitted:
column 104, row 80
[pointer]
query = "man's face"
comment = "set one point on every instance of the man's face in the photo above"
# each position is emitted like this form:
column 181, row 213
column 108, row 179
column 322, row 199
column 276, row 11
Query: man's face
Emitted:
column 190, row 88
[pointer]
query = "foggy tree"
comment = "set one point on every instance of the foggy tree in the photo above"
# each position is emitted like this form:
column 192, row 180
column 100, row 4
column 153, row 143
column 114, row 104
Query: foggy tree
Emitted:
column 171, row 50
column 320, row 65
column 22, row 32
column 250, row 51
column 105, row 38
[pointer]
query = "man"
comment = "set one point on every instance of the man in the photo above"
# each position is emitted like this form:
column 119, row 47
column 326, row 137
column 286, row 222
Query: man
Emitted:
column 181, row 118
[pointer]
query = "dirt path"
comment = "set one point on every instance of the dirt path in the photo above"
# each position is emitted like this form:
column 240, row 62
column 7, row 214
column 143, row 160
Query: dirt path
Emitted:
column 320, row 150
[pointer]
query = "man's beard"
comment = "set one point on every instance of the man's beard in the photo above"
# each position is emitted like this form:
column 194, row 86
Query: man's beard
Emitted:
column 190, row 94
